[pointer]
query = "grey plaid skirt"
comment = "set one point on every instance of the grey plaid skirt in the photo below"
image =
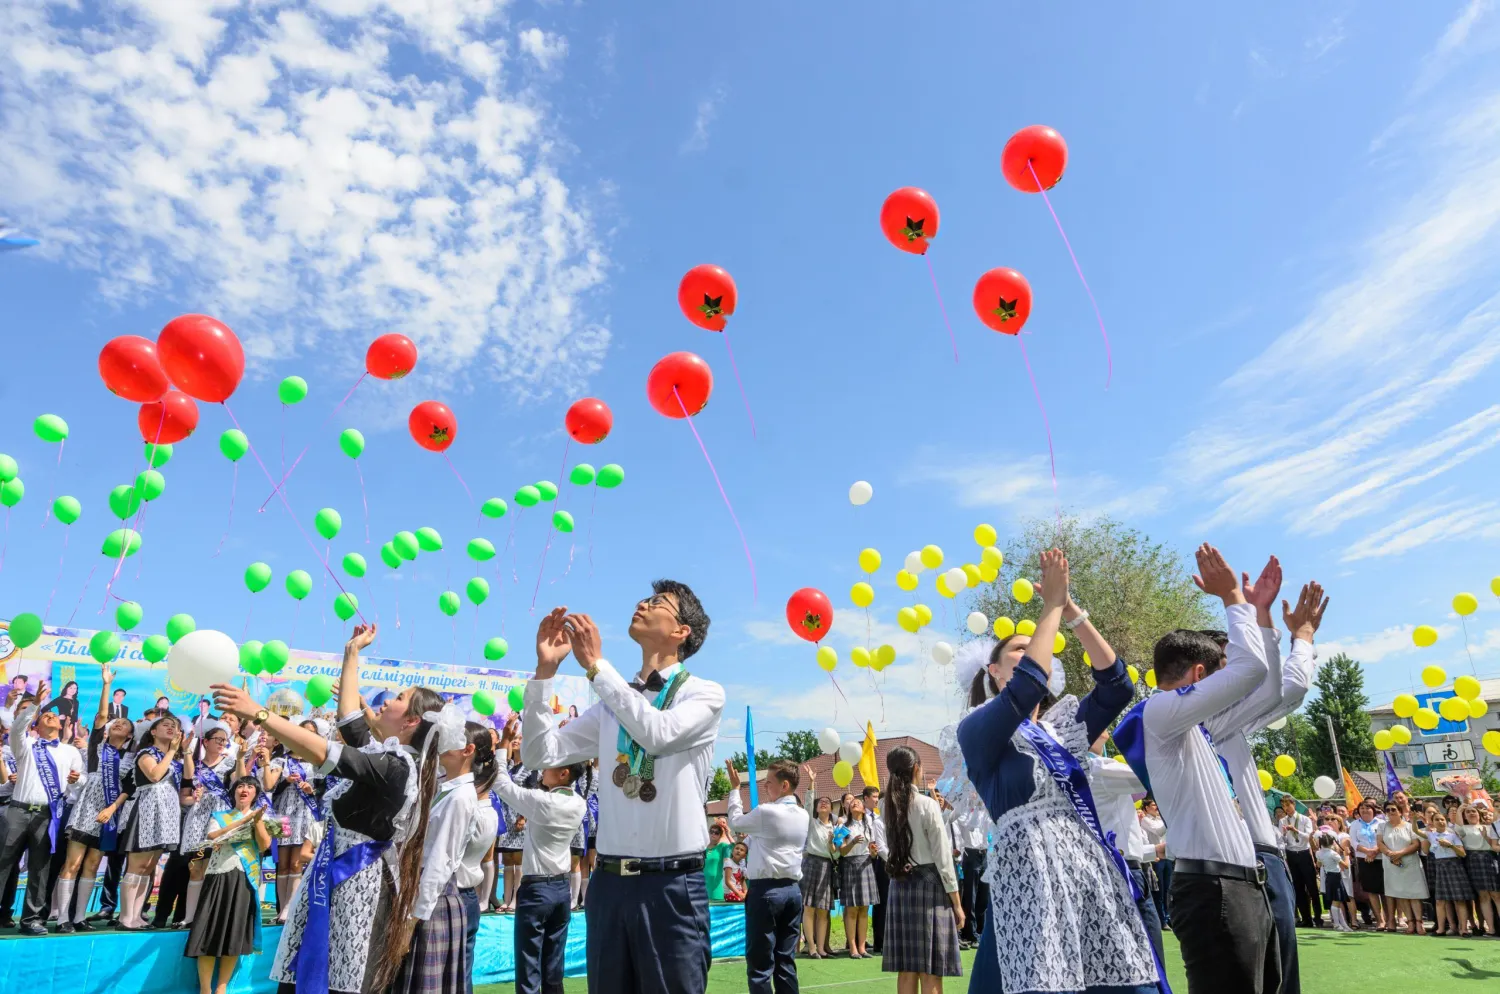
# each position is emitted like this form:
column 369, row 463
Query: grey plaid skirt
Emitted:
column 1451, row 881
column 857, row 882
column 1483, row 874
column 438, row 960
column 920, row 933
column 817, row 881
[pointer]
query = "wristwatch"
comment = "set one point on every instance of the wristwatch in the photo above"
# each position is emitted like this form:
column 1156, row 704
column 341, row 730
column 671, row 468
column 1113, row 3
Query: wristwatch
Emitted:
column 261, row 716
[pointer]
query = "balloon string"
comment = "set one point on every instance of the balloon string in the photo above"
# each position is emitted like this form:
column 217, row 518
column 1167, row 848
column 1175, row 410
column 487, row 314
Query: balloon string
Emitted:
column 83, row 593
column 246, row 630
column 754, row 586
column 1051, row 455
column 543, row 567
column 296, row 614
column 592, row 502
column 836, row 703
column 66, row 533
column 1108, row 355
column 363, row 499
column 139, row 517
column 1470, row 653
column 140, row 559
column 57, row 470
column 398, row 607
column 514, row 522
column 456, row 473
column 296, row 462
column 735, row 366
column 323, row 604
column 473, row 636
column 879, row 693
column 942, row 307
column 6, row 546
column 234, row 486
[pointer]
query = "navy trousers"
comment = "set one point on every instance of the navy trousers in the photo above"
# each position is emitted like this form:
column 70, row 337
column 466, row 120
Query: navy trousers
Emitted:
column 24, row 832
column 773, row 913
column 648, row 934
column 1284, row 914
column 109, row 889
column 470, row 899
column 543, row 908
column 1146, row 905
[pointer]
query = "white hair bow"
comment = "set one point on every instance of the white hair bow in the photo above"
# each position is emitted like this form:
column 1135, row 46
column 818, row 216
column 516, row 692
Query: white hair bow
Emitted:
column 970, row 658
column 448, row 726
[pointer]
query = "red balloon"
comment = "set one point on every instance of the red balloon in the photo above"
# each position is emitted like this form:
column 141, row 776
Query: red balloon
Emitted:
column 168, row 420
column 391, row 357
column 809, row 613
column 129, row 366
column 202, row 357
column 1046, row 152
column 684, row 375
column 589, row 420
column 909, row 218
column 707, row 296
column 432, row 425
column 1002, row 299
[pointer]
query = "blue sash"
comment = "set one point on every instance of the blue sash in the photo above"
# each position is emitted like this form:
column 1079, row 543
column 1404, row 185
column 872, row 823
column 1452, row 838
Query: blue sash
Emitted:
column 499, row 813
column 210, row 782
column 1130, row 738
column 322, row 878
column 249, row 854
column 1073, row 783
column 158, row 755
column 109, row 776
column 308, row 800
column 46, row 771
column 591, row 818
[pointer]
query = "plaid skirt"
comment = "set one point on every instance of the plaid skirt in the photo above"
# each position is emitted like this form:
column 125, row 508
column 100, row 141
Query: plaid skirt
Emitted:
column 817, row 881
column 438, row 960
column 1451, row 881
column 857, row 887
column 920, row 933
column 1483, row 874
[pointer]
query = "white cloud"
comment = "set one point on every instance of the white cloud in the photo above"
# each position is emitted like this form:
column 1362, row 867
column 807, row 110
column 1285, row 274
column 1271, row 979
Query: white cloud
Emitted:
column 1377, row 646
column 1024, row 487
column 1329, row 37
column 708, row 112
column 1429, row 523
column 269, row 161
column 546, row 49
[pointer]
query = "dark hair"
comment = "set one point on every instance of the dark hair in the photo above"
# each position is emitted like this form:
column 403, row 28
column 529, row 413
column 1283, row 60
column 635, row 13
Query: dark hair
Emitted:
column 869, row 791
column 576, row 772
column 71, row 684
column 901, row 764
column 786, row 771
column 164, row 697
column 716, row 827
column 147, row 739
column 689, row 612
column 1179, row 651
column 485, row 766
column 820, row 800
column 247, row 781
column 118, row 690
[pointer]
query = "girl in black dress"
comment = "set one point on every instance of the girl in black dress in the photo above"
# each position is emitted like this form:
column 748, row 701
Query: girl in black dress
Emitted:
column 227, row 925
column 155, row 821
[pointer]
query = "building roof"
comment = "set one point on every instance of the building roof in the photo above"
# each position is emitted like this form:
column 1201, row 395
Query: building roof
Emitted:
column 822, row 771
column 1488, row 689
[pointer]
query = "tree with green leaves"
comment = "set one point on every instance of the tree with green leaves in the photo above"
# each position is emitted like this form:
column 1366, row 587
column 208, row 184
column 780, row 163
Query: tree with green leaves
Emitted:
column 718, row 787
column 1341, row 696
column 799, row 747
column 763, row 759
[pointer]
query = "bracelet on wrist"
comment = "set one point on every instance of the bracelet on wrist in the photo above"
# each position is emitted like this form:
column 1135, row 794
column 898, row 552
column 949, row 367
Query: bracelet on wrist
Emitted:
column 1073, row 625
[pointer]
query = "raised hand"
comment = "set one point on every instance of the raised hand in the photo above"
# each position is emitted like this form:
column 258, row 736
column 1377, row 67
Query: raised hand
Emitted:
column 1054, row 578
column 1264, row 591
column 511, row 733
column 552, row 645
column 583, row 635
column 1215, row 577
column 228, row 697
column 1307, row 618
column 734, row 774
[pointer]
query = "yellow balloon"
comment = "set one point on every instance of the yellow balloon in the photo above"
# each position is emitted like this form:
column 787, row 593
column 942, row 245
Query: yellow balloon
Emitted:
column 1434, row 676
column 1004, row 628
column 985, row 535
column 1426, row 719
column 991, row 556
column 1026, row 627
column 1151, row 678
column 1265, row 779
column 924, row 614
column 1130, row 671
column 1022, row 590
column 1285, row 765
column 942, row 585
column 862, row 594
column 972, row 572
column 1465, row 604
column 885, row 655
column 905, row 580
column 1384, row 740
column 988, row 574
column 1478, row 708
column 1405, row 705
column 1401, row 734
column 932, row 556
column 827, row 658
column 1491, row 742
column 907, row 619
column 869, row 560
column 1454, row 709
column 1466, row 687
column 842, row 773
column 1424, row 636
column 1058, row 644
column 859, row 656
column 1495, row 586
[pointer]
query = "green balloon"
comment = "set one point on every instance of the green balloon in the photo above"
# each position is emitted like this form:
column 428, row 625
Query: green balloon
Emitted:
column 562, row 521
column 352, row 442
column 179, row 625
column 274, row 655
column 496, row 648
column 250, row 657
column 516, row 698
column 448, row 603
column 493, row 508
column 328, row 522
column 528, row 496
column 150, row 484
column 158, row 455
column 481, row 549
column 390, row 556
column 355, row 565
column 257, row 577
column 125, row 541
column 66, row 509
column 25, row 629
column 406, row 545
column 8, row 468
column 429, row 539
column 319, row 690
column 345, row 605
column 484, row 702
column 582, row 475
column 128, row 615
column 292, row 390
column 124, row 502
column 50, row 428
column 298, row 583
column 547, row 489
column 155, row 648
column 478, row 590
column 104, row 646
column 611, row 476
column 234, row 444
column 11, row 492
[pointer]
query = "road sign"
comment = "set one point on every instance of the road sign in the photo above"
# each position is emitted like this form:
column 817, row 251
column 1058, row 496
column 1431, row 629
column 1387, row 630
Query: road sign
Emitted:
column 1456, row 751
column 1444, row 726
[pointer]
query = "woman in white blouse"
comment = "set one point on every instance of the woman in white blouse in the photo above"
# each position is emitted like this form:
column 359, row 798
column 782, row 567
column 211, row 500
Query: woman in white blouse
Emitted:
column 817, row 873
column 924, row 913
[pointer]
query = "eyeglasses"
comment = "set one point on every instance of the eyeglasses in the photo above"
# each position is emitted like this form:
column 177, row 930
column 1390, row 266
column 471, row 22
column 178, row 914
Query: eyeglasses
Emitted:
column 660, row 600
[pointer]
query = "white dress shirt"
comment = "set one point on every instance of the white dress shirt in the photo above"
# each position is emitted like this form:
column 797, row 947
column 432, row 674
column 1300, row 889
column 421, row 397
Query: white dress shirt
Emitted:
column 861, row 845
column 819, row 835
column 1294, row 831
column 969, row 832
column 552, row 819
column 1156, row 833
column 1186, row 778
column 28, row 787
column 875, row 832
column 450, row 829
column 930, row 842
column 1113, row 784
column 680, row 739
column 471, row 867
column 778, row 832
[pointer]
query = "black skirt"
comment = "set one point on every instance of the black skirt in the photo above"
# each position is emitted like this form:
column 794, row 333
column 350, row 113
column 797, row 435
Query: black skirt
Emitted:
column 224, row 923
column 1372, row 876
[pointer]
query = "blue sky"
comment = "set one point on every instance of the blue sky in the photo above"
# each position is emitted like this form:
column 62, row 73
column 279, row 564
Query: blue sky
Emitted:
column 1289, row 222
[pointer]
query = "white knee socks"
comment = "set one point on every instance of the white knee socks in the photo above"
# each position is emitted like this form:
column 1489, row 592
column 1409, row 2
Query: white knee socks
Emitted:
column 293, row 882
column 132, row 889
column 81, row 901
column 487, row 886
column 194, row 888
column 575, row 881
column 62, row 899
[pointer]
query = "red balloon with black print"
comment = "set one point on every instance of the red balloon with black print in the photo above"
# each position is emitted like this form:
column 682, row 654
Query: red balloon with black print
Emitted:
column 909, row 218
column 681, row 375
column 168, row 420
column 1002, row 299
column 131, row 369
column 810, row 614
column 391, row 357
column 707, row 296
column 202, row 357
column 432, row 425
column 589, row 420
column 1039, row 149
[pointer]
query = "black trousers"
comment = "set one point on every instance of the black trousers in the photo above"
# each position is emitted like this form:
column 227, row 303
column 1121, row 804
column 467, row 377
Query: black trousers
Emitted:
column 773, row 913
column 171, row 896
column 877, row 914
column 1305, row 885
column 1227, row 936
column 109, row 888
column 24, row 833
column 648, row 934
column 543, row 908
column 973, row 894
column 12, row 877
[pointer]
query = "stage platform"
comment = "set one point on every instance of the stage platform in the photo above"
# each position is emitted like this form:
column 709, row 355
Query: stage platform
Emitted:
column 106, row 962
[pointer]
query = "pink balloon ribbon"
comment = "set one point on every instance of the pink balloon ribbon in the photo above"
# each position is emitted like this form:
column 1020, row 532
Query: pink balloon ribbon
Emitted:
column 1051, row 455
column 942, row 307
column 1108, row 355
column 743, row 396
column 83, row 593
column 593, row 501
column 363, row 499
column 140, row 559
column 754, row 586
column 66, row 533
column 298, row 461
column 136, row 526
column 52, row 493
column 5, row 547
column 456, row 473
column 234, row 486
column 561, row 470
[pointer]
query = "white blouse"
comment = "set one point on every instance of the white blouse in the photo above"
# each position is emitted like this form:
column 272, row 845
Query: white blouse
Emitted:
column 929, row 839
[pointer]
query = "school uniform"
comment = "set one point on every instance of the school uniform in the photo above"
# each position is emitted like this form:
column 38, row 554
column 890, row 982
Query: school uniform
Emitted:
column 1450, row 876
column 1115, row 785
column 818, row 874
column 33, row 823
column 470, row 875
column 648, row 903
column 437, row 960
column 921, row 934
column 227, row 922
column 777, row 833
column 971, row 839
column 857, row 885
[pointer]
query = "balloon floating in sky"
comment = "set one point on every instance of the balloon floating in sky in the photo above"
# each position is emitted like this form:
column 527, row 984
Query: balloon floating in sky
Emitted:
column 428, row 539
column 390, row 357
column 234, row 443
column 25, row 629
column 611, row 475
column 495, row 649
column 909, row 218
column 131, row 369
column 707, row 296
column 582, row 475
column 1424, row 636
column 679, row 385
column 860, row 493
column 432, row 425
column 1002, row 299
column 493, row 508
column 201, row 357
column 66, row 509
column 292, row 390
column 170, row 419
column 158, row 455
column 257, row 577
column 352, row 442
column 1465, row 604
column 588, row 421
column 355, row 565
column 50, row 428
column 1036, row 153
column 8, row 469
column 809, row 613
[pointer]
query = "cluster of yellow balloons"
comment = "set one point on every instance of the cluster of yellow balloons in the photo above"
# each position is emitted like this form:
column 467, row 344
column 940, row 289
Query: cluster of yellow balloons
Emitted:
column 1389, row 738
column 885, row 655
column 1004, row 628
column 1284, row 766
column 1463, row 705
column 915, row 618
column 959, row 578
column 1491, row 743
column 1464, row 604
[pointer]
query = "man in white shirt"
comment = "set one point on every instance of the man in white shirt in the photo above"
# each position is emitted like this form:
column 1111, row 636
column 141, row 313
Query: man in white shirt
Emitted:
column 33, row 824
column 648, row 902
column 544, row 899
column 1114, row 786
column 875, row 832
column 1295, row 830
column 777, row 831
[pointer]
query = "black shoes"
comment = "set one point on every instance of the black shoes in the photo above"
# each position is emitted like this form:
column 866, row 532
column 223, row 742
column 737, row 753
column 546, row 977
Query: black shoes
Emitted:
column 34, row 929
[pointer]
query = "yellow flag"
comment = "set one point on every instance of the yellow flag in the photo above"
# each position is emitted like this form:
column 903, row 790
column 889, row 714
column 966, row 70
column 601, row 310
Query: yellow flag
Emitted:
column 868, row 771
column 1352, row 796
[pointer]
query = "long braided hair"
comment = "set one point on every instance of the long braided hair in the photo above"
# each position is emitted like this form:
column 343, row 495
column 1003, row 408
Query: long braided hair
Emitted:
column 901, row 765
column 484, row 767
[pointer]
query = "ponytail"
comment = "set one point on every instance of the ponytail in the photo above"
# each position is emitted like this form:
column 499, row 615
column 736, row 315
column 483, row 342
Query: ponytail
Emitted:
column 901, row 765
column 484, row 765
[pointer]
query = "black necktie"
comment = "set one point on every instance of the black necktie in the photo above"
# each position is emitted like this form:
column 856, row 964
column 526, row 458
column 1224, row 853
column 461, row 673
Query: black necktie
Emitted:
column 653, row 683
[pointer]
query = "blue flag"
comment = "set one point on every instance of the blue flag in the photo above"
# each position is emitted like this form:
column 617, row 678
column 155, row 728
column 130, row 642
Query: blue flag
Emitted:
column 1392, row 782
column 750, row 756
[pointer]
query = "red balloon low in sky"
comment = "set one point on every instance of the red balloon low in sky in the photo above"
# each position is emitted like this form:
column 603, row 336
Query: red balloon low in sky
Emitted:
column 1002, row 299
column 432, row 425
column 391, row 357
column 681, row 375
column 809, row 614
column 707, row 296
column 1037, row 148
column 169, row 420
column 202, row 357
column 131, row 369
column 589, row 420
column 909, row 218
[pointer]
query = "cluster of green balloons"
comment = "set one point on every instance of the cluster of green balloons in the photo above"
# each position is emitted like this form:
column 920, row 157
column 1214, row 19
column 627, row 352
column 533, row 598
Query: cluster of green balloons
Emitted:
column 405, row 546
column 264, row 657
column 12, row 489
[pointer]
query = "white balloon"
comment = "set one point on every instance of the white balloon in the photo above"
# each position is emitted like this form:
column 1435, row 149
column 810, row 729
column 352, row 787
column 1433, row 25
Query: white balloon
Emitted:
column 957, row 579
column 978, row 623
column 914, row 563
column 942, row 653
column 850, row 752
column 202, row 658
column 828, row 740
column 861, row 493
column 1277, row 725
column 1324, row 787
